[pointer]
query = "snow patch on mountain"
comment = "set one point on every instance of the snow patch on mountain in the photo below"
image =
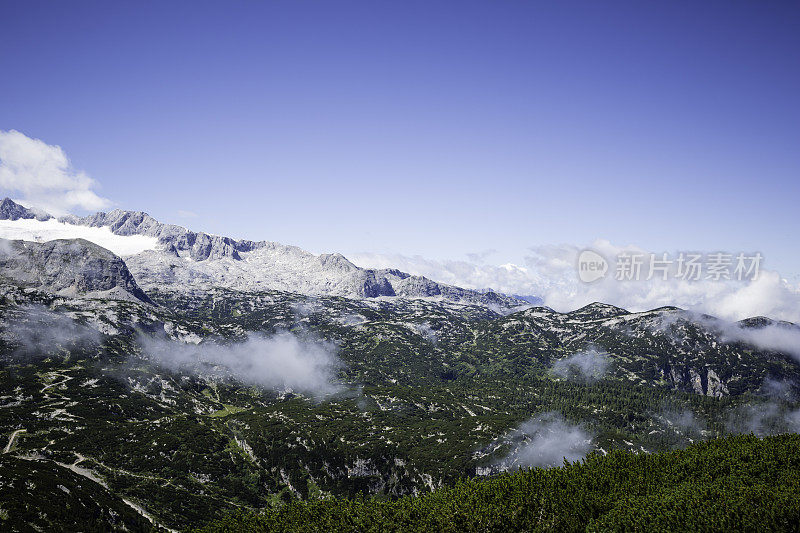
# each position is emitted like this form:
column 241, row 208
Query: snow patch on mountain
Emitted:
column 50, row 230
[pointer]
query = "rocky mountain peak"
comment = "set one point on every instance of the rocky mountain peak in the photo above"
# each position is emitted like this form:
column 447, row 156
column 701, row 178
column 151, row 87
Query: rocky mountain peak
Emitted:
column 598, row 310
column 337, row 261
column 11, row 210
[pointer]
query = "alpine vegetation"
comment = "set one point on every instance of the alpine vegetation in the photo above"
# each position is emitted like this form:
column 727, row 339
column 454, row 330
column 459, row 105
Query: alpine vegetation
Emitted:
column 282, row 361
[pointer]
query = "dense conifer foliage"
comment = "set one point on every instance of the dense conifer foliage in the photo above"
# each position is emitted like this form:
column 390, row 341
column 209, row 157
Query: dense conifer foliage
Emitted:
column 740, row 483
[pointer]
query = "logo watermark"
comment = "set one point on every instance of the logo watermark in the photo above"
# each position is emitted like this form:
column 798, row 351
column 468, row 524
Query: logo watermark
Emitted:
column 591, row 266
column 687, row 266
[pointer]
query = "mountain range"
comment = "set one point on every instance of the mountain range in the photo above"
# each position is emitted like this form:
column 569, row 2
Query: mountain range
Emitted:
column 196, row 261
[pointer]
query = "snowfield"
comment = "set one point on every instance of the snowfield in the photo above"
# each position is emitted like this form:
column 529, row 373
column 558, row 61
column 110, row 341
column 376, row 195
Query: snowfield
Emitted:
column 49, row 230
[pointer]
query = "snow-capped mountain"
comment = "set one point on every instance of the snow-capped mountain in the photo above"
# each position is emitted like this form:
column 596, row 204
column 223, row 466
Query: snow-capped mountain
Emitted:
column 170, row 255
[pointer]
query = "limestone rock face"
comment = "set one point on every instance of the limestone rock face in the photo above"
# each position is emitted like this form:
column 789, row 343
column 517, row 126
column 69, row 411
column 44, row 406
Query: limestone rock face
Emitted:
column 702, row 381
column 715, row 386
column 69, row 267
column 696, row 381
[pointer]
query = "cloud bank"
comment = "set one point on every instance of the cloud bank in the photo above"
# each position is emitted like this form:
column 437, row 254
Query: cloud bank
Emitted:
column 549, row 272
column 43, row 175
column 282, row 361
column 473, row 274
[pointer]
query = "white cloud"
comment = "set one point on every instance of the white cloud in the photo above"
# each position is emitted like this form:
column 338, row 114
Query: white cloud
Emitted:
column 547, row 440
column 280, row 361
column 48, row 230
column 768, row 295
column 35, row 331
column 43, row 175
column 776, row 337
column 683, row 421
column 763, row 419
column 549, row 272
column 589, row 365
column 762, row 335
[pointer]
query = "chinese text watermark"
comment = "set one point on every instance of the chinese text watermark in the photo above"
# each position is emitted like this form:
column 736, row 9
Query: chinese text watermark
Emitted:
column 687, row 266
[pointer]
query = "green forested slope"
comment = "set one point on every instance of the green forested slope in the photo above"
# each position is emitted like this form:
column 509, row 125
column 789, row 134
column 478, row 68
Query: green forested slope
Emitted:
column 428, row 393
column 740, row 483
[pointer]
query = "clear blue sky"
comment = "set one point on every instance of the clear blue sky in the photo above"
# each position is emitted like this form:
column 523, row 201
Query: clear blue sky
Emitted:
column 437, row 128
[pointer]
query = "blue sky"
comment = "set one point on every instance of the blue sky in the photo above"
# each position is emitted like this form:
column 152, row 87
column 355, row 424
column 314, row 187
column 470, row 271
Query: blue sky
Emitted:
column 431, row 128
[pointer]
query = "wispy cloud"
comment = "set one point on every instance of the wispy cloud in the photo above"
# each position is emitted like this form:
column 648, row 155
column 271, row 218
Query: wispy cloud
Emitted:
column 280, row 361
column 35, row 331
column 426, row 331
column 761, row 334
column 480, row 257
column 42, row 174
column 306, row 307
column 546, row 440
column 778, row 389
column 589, row 365
column 683, row 421
column 763, row 419
column 776, row 337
